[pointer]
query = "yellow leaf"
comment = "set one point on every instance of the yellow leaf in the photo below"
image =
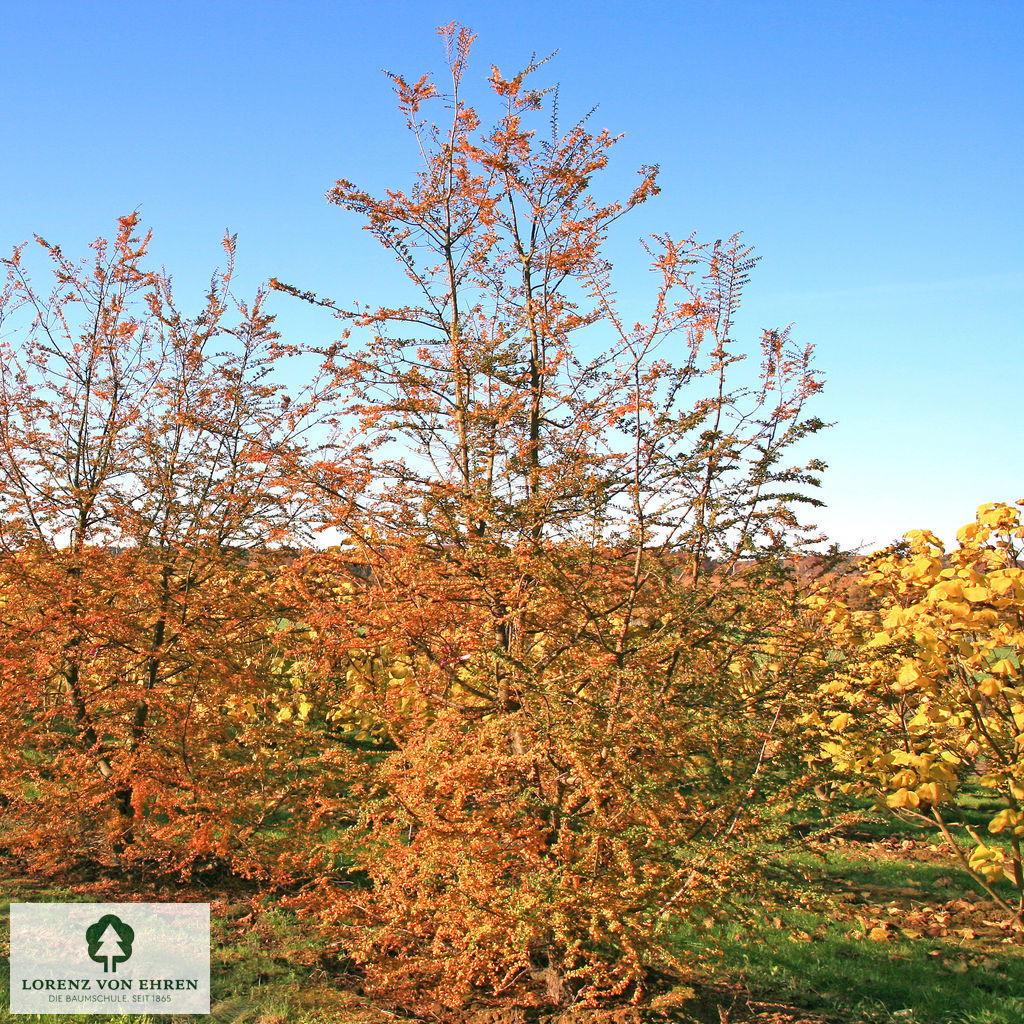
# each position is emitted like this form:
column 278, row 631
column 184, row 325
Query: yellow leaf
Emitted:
column 941, row 774
column 920, row 567
column 1005, row 817
column 990, row 687
column 909, row 674
column 948, row 589
column 932, row 792
column 923, row 538
column 987, row 861
column 840, row 722
column 903, row 798
column 956, row 609
column 895, row 617
column 997, row 514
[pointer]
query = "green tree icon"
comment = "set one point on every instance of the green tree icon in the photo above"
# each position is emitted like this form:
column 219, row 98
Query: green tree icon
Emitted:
column 110, row 942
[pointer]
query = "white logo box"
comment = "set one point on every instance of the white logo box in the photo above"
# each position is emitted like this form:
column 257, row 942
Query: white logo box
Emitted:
column 110, row 958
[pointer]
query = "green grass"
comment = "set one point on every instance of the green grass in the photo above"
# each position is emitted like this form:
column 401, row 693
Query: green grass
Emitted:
column 852, row 868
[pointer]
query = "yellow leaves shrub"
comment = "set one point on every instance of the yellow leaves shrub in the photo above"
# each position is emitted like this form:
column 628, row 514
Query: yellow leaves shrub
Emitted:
column 927, row 687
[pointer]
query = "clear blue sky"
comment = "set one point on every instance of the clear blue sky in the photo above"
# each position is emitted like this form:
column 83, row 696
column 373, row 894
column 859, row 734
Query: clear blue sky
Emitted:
column 871, row 151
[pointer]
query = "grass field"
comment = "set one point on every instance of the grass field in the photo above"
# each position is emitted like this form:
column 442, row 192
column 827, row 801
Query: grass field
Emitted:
column 869, row 924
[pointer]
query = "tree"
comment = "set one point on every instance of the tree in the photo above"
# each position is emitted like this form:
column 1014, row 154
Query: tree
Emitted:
column 925, row 694
column 144, row 497
column 572, row 653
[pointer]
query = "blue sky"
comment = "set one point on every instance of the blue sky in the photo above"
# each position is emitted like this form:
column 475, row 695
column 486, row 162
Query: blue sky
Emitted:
column 870, row 151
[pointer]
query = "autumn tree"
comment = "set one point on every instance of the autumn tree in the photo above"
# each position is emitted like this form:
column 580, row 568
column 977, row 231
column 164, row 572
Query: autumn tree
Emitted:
column 569, row 646
column 924, row 700
column 144, row 502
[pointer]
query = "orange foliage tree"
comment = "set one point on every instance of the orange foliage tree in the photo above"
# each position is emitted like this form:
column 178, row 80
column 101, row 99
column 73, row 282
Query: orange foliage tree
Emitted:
column 566, row 642
column 144, row 466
